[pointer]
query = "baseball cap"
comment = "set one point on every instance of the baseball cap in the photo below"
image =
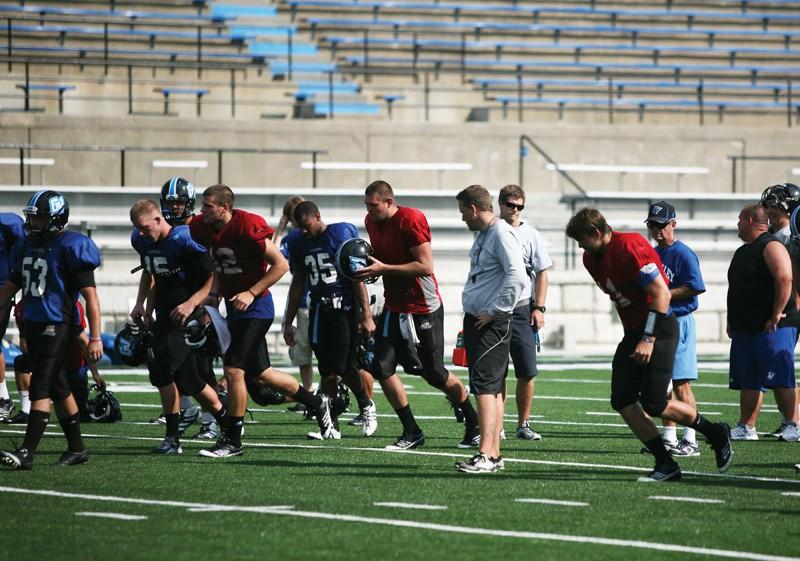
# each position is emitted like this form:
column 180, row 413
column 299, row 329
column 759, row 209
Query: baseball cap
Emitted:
column 661, row 212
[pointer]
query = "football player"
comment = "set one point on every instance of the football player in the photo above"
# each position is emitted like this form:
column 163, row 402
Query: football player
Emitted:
column 180, row 270
column 338, row 307
column 52, row 267
column 247, row 265
column 12, row 234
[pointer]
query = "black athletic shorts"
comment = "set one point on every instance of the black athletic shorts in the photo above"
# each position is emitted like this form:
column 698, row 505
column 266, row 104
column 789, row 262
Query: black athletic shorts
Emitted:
column 647, row 384
column 332, row 333
column 173, row 360
column 248, row 350
column 487, row 354
column 392, row 349
column 48, row 344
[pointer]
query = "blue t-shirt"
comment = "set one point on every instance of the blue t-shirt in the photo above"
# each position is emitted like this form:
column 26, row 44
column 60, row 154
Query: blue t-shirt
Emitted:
column 294, row 233
column 682, row 269
column 46, row 272
column 12, row 234
column 316, row 256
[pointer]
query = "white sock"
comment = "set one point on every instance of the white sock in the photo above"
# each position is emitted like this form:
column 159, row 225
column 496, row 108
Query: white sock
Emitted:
column 670, row 434
column 4, row 390
column 208, row 418
column 689, row 435
column 186, row 402
column 25, row 401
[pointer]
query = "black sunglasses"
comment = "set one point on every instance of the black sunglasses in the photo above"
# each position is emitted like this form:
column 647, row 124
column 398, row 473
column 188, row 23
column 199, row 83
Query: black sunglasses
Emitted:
column 656, row 225
column 512, row 206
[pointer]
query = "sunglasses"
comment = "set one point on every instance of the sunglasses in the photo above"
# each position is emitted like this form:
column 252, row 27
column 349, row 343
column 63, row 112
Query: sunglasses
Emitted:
column 656, row 225
column 512, row 206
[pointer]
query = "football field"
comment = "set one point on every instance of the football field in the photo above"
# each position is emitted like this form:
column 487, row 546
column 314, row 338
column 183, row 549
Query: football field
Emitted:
column 571, row 495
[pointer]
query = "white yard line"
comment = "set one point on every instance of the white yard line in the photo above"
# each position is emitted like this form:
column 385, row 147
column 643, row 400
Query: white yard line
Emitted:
column 113, row 515
column 686, row 499
column 412, row 506
column 443, row 528
column 790, row 494
column 551, row 502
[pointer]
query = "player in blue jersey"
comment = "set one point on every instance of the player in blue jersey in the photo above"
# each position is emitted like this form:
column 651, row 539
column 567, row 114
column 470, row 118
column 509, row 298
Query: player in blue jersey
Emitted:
column 12, row 234
column 52, row 267
column 338, row 307
column 181, row 270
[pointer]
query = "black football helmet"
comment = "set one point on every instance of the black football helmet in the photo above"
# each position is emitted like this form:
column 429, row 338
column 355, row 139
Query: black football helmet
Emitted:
column 365, row 351
column 785, row 196
column 46, row 203
column 263, row 395
column 351, row 255
column 201, row 336
column 342, row 401
column 103, row 407
column 132, row 344
column 181, row 191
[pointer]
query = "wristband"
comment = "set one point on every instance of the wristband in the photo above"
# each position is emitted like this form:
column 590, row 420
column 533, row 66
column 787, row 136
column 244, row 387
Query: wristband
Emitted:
column 95, row 339
column 648, row 339
column 252, row 293
column 653, row 317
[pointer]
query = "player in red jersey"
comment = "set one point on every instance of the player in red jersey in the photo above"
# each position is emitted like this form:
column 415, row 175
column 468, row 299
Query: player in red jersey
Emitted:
column 413, row 311
column 247, row 264
column 628, row 269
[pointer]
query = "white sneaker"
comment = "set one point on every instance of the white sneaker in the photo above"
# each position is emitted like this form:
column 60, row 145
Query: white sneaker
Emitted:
column 743, row 432
column 334, row 435
column 479, row 463
column 370, row 416
column 790, row 433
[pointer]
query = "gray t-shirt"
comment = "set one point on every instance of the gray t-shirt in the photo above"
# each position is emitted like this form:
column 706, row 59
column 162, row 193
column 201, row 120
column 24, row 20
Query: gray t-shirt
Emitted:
column 534, row 254
column 497, row 277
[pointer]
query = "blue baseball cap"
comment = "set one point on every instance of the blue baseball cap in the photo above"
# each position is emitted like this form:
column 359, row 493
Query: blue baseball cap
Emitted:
column 661, row 212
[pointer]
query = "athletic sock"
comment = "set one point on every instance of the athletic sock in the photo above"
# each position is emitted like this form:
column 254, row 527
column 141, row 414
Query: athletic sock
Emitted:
column 362, row 399
column 470, row 415
column 72, row 430
column 25, row 401
column 656, row 446
column 37, row 423
column 689, row 435
column 220, row 416
column 307, row 398
column 172, row 420
column 406, row 416
column 234, row 430
column 670, row 434
column 705, row 427
column 4, row 390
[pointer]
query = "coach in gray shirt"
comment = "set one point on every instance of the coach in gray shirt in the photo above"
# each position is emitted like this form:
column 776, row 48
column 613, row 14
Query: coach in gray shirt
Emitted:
column 496, row 282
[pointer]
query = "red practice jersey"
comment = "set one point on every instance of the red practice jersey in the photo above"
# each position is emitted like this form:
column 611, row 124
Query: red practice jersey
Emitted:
column 628, row 264
column 392, row 241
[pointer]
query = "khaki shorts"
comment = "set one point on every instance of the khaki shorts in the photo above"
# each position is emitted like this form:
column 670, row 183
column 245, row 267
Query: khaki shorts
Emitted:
column 300, row 354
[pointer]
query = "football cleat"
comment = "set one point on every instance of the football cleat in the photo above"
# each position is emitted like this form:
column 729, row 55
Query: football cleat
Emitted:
column 525, row 432
column 208, row 431
column 324, row 419
column 6, row 407
column 686, row 449
column 70, row 458
column 20, row 458
column 661, row 473
column 297, row 408
column 479, row 463
column 370, row 414
column 356, row 421
column 222, row 449
column 743, row 432
column 472, row 438
column 335, row 435
column 722, row 448
column 188, row 417
column 168, row 447
column 21, row 418
column 407, row 442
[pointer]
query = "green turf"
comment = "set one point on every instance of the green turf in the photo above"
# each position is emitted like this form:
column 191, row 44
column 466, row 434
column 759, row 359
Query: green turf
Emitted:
column 332, row 488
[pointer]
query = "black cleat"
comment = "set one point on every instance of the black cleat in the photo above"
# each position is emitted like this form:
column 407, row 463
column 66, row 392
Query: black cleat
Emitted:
column 662, row 473
column 407, row 442
column 722, row 448
column 6, row 407
column 70, row 458
column 222, row 449
column 20, row 458
column 21, row 418
column 168, row 447
column 472, row 438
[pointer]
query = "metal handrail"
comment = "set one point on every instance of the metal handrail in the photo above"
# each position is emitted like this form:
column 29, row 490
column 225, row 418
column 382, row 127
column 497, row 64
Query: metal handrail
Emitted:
column 523, row 139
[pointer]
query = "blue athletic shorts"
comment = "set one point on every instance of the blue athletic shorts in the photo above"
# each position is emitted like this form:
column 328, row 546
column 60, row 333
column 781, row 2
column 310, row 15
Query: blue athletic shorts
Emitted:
column 686, row 355
column 763, row 360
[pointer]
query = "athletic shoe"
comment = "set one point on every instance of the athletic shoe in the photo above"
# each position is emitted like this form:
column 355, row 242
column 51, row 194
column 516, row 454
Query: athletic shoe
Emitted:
column 169, row 446
column 18, row 459
column 669, row 445
column 525, row 432
column 777, row 432
column 472, row 438
column 324, row 419
column 790, row 433
column 188, row 417
column 407, row 442
column 457, row 412
column 722, row 448
column 797, row 468
column 661, row 473
column 370, row 415
column 686, row 449
column 335, row 435
column 222, row 449
column 743, row 432
column 208, row 431
column 70, row 458
column 479, row 463
column 502, row 434
column 297, row 408
column 21, row 418
column 160, row 420
column 357, row 421
column 499, row 462
column 6, row 407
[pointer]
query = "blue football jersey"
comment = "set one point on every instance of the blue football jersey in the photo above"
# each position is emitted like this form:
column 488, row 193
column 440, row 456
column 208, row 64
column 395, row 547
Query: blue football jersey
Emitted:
column 176, row 263
column 12, row 234
column 316, row 256
column 48, row 274
column 293, row 234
